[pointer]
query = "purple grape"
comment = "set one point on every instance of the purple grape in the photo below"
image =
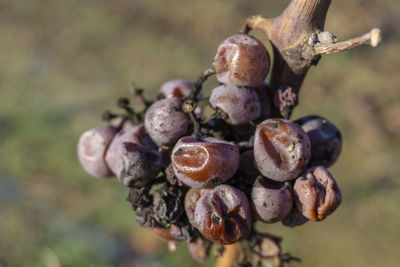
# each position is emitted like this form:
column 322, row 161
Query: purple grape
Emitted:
column 165, row 122
column 325, row 139
column 241, row 104
column 272, row 201
column 281, row 149
column 204, row 164
column 92, row 147
column 242, row 60
column 222, row 215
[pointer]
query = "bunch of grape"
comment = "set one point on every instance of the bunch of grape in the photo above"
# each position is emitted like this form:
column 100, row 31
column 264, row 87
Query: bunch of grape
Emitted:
column 209, row 179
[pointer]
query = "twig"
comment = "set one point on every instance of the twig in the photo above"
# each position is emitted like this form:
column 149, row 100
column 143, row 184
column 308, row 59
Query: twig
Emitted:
column 319, row 47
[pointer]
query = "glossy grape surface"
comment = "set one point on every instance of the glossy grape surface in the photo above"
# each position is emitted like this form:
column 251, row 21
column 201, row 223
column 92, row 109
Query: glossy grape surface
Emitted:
column 204, row 164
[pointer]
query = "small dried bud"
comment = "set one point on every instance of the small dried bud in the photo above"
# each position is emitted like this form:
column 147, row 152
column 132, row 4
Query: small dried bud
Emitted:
column 286, row 99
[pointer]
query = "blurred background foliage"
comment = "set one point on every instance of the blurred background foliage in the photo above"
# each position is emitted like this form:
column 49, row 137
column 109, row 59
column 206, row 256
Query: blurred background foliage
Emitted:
column 62, row 63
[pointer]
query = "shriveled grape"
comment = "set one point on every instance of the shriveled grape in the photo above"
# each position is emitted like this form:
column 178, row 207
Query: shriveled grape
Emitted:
column 140, row 165
column 135, row 134
column 316, row 193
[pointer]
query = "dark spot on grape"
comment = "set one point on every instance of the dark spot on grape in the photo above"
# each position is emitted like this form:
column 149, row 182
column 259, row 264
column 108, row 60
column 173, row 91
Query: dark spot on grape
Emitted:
column 178, row 152
column 215, row 218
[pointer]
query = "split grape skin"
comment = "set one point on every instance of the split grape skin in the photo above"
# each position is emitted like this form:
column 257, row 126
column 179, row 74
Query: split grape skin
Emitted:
column 223, row 215
column 92, row 147
column 204, row 164
column 281, row 149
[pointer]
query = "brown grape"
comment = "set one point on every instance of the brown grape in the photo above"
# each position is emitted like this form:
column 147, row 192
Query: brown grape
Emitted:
column 316, row 193
column 223, row 215
column 204, row 164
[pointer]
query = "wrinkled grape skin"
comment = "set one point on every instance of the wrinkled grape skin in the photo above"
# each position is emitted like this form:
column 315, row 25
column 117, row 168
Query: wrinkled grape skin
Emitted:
column 223, row 215
column 272, row 201
column 140, row 164
column 242, row 60
column 325, row 139
column 241, row 104
column 165, row 122
column 135, row 134
column 281, row 149
column 316, row 193
column 92, row 147
column 204, row 164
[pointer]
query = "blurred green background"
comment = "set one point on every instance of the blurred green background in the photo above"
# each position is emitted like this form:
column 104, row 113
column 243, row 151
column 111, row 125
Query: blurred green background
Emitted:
column 62, row 63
